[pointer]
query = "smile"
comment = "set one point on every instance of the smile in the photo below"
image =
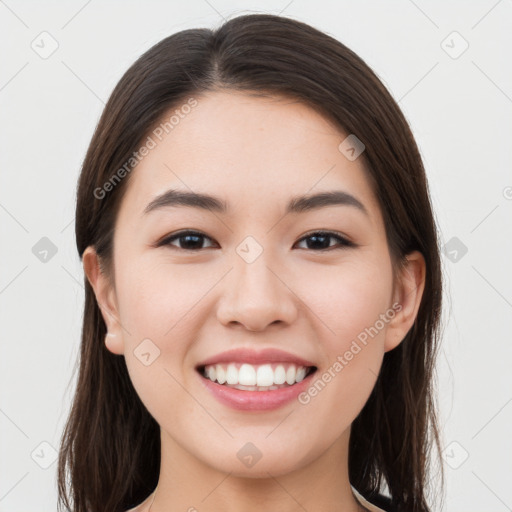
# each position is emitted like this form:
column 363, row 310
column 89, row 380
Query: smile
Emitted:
column 249, row 377
column 264, row 388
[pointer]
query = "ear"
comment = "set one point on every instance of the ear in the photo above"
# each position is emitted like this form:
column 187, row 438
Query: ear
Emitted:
column 106, row 299
column 408, row 292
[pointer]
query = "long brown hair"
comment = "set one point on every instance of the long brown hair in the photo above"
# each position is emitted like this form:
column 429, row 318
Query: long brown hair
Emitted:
column 110, row 448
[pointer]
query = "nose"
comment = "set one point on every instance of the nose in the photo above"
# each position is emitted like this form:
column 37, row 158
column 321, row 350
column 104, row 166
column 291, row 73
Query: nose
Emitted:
column 256, row 295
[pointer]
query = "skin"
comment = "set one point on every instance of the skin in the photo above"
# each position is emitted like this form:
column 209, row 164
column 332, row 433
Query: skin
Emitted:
column 255, row 153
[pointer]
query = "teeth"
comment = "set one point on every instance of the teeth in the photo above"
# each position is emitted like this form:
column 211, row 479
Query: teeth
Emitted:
column 232, row 375
column 221, row 374
column 256, row 377
column 280, row 375
column 290, row 375
column 246, row 376
column 301, row 373
column 212, row 373
column 265, row 375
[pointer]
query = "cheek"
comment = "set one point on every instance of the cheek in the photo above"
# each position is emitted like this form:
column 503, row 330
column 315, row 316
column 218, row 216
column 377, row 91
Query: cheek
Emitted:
column 156, row 305
column 156, row 300
column 349, row 299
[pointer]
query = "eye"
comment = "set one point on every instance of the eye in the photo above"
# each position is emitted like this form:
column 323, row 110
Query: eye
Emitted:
column 189, row 240
column 320, row 241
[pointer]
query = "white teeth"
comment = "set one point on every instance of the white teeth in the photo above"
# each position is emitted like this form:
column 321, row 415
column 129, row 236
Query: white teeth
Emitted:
column 280, row 375
column 301, row 373
column 265, row 375
column 247, row 375
column 221, row 374
column 255, row 378
column 232, row 375
column 212, row 373
column 290, row 375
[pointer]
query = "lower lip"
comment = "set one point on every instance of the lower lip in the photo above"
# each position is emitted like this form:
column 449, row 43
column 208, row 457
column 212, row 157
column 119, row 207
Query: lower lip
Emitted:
column 255, row 400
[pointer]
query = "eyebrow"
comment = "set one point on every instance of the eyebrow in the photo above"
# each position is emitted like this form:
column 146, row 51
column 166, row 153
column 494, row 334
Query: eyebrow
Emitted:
column 297, row 204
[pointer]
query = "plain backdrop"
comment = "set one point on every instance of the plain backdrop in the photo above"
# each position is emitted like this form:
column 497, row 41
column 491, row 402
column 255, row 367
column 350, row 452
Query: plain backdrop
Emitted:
column 446, row 63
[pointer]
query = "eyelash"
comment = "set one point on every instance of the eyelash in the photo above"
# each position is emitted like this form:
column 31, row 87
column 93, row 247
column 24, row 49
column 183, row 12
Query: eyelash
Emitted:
column 343, row 242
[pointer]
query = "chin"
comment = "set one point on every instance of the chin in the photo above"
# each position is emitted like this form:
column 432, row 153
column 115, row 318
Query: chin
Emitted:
column 259, row 459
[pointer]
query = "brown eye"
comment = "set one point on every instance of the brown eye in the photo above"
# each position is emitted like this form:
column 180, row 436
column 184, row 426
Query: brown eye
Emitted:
column 320, row 241
column 316, row 241
column 188, row 240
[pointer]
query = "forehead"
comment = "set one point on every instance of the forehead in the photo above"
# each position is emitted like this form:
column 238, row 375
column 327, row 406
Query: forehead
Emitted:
column 252, row 151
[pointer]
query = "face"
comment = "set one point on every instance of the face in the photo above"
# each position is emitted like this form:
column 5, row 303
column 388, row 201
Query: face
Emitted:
column 310, row 285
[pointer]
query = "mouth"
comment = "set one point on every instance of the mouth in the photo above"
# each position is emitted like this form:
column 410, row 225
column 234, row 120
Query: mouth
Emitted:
column 251, row 387
column 251, row 377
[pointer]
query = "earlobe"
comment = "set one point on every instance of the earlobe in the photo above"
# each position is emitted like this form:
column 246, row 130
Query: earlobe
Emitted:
column 113, row 343
column 408, row 293
column 105, row 298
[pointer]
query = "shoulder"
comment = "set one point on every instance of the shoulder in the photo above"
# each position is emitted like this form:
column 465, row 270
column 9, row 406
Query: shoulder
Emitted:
column 383, row 502
column 375, row 503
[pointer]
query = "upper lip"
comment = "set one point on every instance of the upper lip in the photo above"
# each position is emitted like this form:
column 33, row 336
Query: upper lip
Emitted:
column 245, row 355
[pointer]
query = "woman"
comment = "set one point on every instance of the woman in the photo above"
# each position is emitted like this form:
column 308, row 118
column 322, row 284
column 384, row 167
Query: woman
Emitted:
column 263, row 284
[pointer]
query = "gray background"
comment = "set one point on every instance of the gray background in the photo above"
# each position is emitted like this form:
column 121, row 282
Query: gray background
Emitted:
column 459, row 105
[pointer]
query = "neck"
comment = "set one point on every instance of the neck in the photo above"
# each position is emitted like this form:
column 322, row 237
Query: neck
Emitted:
column 187, row 483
